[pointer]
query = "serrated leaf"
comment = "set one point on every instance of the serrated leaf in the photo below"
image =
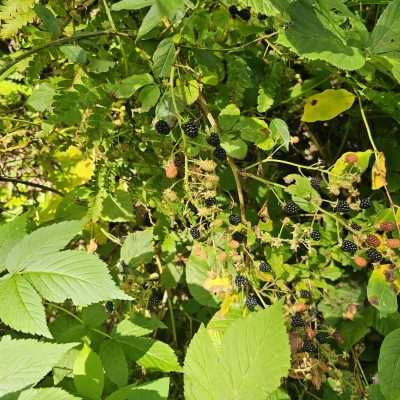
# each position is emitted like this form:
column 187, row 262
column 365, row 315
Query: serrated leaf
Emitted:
column 131, row 4
column 254, row 356
column 379, row 172
column 189, row 92
column 42, row 97
column 156, row 390
column 303, row 194
column 49, row 20
column 118, row 207
column 41, row 243
column 138, row 326
column 88, row 374
column 46, row 394
column 25, row 362
column 114, row 362
column 235, row 147
column 21, row 307
column 280, row 131
column 74, row 53
column 389, row 366
column 148, row 97
column 327, row 105
column 150, row 21
column 128, row 86
column 164, row 58
column 138, row 248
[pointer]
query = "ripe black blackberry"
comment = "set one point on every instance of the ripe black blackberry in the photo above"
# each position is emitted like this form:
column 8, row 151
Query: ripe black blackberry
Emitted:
column 355, row 226
column 297, row 321
column 154, row 300
column 109, row 306
column 265, row 267
column 322, row 337
column 162, row 127
column 241, row 281
column 349, row 247
column 233, row 10
column 261, row 17
column 213, row 139
column 365, row 203
column 315, row 182
column 234, row 219
column 342, row 207
column 305, row 294
column 315, row 235
column 238, row 236
column 251, row 301
column 291, row 208
column 308, row 347
column 220, row 153
column 191, row 129
column 373, row 255
column 245, row 14
column 195, row 232
column 179, row 160
column 210, row 202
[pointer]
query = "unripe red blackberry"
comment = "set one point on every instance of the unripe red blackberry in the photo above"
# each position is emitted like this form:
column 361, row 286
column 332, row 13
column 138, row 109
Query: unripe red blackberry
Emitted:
column 349, row 247
column 162, row 127
column 386, row 226
column 241, row 281
column 191, row 129
column 373, row 255
column 373, row 241
column 393, row 243
column 234, row 219
column 213, row 139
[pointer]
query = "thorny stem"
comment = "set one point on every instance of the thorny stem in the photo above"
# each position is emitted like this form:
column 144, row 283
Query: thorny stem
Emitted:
column 32, row 184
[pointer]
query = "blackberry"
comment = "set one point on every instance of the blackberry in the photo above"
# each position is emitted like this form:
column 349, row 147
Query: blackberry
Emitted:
column 373, row 241
column 315, row 235
column 342, row 207
column 315, row 182
column 322, row 337
column 179, row 160
column 234, row 219
column 297, row 321
column 349, row 247
column 191, row 129
column 162, row 127
column 373, row 255
column 220, row 153
column 386, row 226
column 251, row 301
column 244, row 14
column 365, row 203
column 291, row 208
column 308, row 347
column 233, row 10
column 265, row 267
column 213, row 140
column 305, row 294
column 355, row 226
column 210, row 201
column 241, row 281
column 261, row 17
column 238, row 236
column 154, row 300
column 109, row 306
column 195, row 233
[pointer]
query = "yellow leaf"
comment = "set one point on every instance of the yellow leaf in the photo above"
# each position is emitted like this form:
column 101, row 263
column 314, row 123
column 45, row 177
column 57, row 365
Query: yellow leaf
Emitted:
column 217, row 285
column 327, row 105
column 379, row 172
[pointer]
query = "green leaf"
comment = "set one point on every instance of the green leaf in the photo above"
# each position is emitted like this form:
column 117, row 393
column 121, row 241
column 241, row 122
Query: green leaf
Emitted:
column 235, row 148
column 150, row 353
column 148, row 97
column 131, row 4
column 303, row 194
column 164, row 58
column 385, row 37
column 188, row 92
column 380, row 294
column 114, row 362
column 150, row 21
column 389, row 366
column 99, row 66
column 254, row 356
column 128, row 86
column 49, row 20
column 138, row 326
column 156, row 390
column 279, row 394
column 25, row 362
column 375, row 393
column 264, row 100
column 41, row 243
column 42, row 97
column 46, row 394
column 88, row 374
column 75, row 54
column 21, row 307
column 94, row 315
column 118, row 207
column 229, row 117
column 10, row 234
column 138, row 248
column 280, row 131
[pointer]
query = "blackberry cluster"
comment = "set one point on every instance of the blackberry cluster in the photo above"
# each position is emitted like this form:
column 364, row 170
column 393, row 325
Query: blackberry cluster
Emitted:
column 210, row 202
column 342, row 207
column 154, row 300
column 213, row 140
column 308, row 347
column 373, row 241
column 179, row 160
column 373, row 255
column 191, row 129
column 355, row 226
column 245, row 14
column 195, row 232
column 238, row 236
column 109, row 306
column 297, row 321
column 349, row 247
column 315, row 235
column 241, row 281
column 291, row 208
column 305, row 294
column 251, row 301
column 322, row 337
column 265, row 267
column 162, row 127
column 220, row 153
column 365, row 203
column 315, row 182
column 234, row 219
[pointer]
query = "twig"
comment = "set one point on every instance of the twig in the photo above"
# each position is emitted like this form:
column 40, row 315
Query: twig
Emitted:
column 32, row 184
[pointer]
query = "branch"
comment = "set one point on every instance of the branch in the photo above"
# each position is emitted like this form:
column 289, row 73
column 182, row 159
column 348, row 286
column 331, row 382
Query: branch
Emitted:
column 32, row 184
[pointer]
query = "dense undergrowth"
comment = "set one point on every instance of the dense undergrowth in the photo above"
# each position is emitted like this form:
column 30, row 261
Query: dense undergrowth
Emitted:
column 199, row 199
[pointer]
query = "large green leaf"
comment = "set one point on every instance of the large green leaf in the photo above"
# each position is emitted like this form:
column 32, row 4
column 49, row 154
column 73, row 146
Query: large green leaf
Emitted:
column 25, row 362
column 138, row 248
column 164, row 57
column 88, row 374
column 253, row 358
column 156, row 390
column 131, row 4
column 46, row 394
column 114, row 362
column 128, row 86
column 389, row 366
column 138, row 325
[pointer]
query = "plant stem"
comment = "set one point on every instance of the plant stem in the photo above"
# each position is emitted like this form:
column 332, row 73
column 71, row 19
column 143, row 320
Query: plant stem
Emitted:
column 32, row 184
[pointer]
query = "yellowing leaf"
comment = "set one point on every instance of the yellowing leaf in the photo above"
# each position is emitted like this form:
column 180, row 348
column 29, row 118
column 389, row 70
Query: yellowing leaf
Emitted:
column 379, row 172
column 217, row 285
column 327, row 105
